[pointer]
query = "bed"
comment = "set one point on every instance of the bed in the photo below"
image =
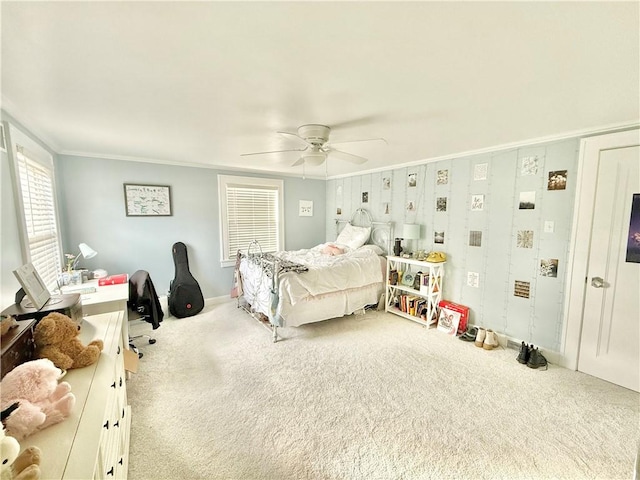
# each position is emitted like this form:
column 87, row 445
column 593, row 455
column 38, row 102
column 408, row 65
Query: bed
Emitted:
column 330, row 280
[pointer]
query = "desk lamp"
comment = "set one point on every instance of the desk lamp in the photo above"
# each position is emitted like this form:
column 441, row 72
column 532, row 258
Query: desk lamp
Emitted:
column 411, row 231
column 86, row 251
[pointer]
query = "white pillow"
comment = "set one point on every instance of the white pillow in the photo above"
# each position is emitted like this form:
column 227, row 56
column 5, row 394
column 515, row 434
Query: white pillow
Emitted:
column 353, row 237
column 374, row 248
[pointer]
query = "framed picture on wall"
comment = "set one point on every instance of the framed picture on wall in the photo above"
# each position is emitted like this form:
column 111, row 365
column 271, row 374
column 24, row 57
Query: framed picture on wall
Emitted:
column 147, row 200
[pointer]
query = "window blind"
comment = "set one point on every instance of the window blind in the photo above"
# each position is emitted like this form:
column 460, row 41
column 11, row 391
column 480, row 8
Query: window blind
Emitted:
column 252, row 214
column 37, row 189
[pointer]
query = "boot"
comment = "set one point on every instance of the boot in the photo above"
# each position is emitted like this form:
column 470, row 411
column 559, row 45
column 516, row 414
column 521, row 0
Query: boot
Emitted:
column 480, row 336
column 536, row 359
column 525, row 352
column 490, row 340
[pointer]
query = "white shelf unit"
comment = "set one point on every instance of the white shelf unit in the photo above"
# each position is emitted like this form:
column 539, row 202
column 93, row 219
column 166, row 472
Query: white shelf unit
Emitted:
column 417, row 304
column 93, row 442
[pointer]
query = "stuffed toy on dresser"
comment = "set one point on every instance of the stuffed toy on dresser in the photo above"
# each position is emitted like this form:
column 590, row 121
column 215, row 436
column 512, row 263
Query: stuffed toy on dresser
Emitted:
column 56, row 337
column 41, row 399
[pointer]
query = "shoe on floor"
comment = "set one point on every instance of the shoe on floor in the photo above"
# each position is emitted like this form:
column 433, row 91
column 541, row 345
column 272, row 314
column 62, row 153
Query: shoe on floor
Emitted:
column 525, row 353
column 469, row 335
column 536, row 359
column 490, row 340
column 480, row 336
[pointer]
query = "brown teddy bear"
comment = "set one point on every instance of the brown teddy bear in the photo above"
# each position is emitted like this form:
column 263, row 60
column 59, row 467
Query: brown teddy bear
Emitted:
column 56, row 338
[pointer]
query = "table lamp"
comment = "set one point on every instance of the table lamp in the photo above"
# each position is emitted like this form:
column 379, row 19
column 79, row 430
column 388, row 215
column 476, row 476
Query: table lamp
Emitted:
column 86, row 251
column 411, row 231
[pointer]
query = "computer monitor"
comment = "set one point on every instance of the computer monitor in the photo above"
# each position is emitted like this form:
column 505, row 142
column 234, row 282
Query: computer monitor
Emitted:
column 33, row 285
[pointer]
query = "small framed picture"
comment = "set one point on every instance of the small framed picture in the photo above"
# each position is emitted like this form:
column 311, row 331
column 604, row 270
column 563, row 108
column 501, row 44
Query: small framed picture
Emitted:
column 305, row 208
column 147, row 200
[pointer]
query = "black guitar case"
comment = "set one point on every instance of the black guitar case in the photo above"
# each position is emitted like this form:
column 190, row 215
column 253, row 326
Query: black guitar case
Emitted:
column 185, row 296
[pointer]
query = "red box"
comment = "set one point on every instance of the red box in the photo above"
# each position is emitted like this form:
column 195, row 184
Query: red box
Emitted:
column 461, row 309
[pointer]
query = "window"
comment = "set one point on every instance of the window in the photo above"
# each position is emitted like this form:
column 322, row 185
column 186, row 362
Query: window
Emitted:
column 36, row 195
column 250, row 209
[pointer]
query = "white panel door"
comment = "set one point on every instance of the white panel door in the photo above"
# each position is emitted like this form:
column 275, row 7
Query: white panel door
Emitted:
column 610, row 340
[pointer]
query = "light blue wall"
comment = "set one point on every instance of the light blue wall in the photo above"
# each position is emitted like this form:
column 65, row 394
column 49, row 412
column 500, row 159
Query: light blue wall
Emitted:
column 499, row 261
column 91, row 199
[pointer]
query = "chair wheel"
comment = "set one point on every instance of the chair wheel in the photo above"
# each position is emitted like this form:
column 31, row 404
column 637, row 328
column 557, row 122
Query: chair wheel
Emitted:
column 152, row 341
column 140, row 354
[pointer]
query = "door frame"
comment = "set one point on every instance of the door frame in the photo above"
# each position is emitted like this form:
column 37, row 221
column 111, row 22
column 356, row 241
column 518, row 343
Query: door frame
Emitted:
column 577, row 268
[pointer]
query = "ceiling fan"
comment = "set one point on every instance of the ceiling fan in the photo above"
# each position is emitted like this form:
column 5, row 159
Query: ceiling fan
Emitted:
column 317, row 148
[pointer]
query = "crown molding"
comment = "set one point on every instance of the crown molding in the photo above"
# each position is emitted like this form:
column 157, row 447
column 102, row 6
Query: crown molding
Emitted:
column 588, row 132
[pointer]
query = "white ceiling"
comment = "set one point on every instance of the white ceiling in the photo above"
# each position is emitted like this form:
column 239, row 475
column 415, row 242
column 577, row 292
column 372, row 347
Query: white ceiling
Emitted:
column 202, row 82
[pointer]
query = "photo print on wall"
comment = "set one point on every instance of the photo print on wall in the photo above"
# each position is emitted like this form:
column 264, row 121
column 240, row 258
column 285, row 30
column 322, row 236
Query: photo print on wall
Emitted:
column 442, row 177
column 529, row 166
column 438, row 237
column 441, row 204
column 525, row 239
column 386, row 183
column 411, row 206
column 475, row 238
column 477, row 203
column 521, row 289
column 412, row 179
column 549, row 267
column 527, row 200
column 387, row 208
column 480, row 171
column 473, row 279
column 365, row 197
column 557, row 180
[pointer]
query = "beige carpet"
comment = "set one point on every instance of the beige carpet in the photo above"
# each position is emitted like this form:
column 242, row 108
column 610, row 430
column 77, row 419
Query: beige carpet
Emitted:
column 364, row 397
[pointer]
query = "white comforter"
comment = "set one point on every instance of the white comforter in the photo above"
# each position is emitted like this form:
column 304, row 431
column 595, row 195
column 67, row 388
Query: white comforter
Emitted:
column 353, row 269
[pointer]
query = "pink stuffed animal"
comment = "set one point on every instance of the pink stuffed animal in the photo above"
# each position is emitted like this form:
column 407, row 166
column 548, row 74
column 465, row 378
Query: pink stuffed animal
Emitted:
column 43, row 401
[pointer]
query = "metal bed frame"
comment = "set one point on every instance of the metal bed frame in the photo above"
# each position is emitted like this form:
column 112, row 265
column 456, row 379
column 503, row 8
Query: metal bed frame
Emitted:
column 381, row 235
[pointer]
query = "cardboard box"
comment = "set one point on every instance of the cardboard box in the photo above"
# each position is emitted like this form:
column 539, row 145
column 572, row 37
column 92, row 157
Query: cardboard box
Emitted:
column 456, row 309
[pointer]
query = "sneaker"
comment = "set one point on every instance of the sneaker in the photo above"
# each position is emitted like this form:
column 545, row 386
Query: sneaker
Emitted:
column 525, row 352
column 482, row 333
column 536, row 359
column 490, row 340
column 469, row 335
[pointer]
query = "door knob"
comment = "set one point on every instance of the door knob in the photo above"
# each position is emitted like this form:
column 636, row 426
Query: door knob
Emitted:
column 597, row 282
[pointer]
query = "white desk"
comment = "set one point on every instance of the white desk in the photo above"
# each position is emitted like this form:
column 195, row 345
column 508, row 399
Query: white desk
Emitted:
column 110, row 298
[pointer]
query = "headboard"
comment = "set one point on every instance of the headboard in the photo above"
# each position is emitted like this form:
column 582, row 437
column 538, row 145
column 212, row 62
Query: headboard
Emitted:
column 381, row 232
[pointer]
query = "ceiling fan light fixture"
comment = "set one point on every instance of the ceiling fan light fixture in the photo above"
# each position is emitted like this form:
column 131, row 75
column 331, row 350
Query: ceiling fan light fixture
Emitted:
column 314, row 158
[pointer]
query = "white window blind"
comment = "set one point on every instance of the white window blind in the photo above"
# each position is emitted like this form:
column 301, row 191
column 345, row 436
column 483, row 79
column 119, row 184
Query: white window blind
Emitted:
column 250, row 210
column 41, row 226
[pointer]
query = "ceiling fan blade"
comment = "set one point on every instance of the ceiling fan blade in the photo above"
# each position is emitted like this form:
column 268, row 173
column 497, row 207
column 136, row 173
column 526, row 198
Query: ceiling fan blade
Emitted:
column 300, row 161
column 349, row 157
column 379, row 139
column 356, row 122
column 297, row 137
column 273, row 151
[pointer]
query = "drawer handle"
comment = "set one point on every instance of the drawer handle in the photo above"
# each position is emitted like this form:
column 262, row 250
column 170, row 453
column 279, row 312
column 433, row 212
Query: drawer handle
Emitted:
column 120, row 461
column 113, row 385
column 110, row 472
column 123, row 413
column 118, row 349
column 117, row 424
column 106, row 425
column 120, row 381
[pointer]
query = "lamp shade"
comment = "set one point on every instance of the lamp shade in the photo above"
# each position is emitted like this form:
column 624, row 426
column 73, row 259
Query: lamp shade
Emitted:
column 411, row 231
column 87, row 251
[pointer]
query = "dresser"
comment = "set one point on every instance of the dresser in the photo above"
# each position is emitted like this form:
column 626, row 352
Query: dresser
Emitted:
column 93, row 442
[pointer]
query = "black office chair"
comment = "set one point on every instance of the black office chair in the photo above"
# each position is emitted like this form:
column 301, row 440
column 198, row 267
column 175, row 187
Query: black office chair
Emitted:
column 143, row 305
